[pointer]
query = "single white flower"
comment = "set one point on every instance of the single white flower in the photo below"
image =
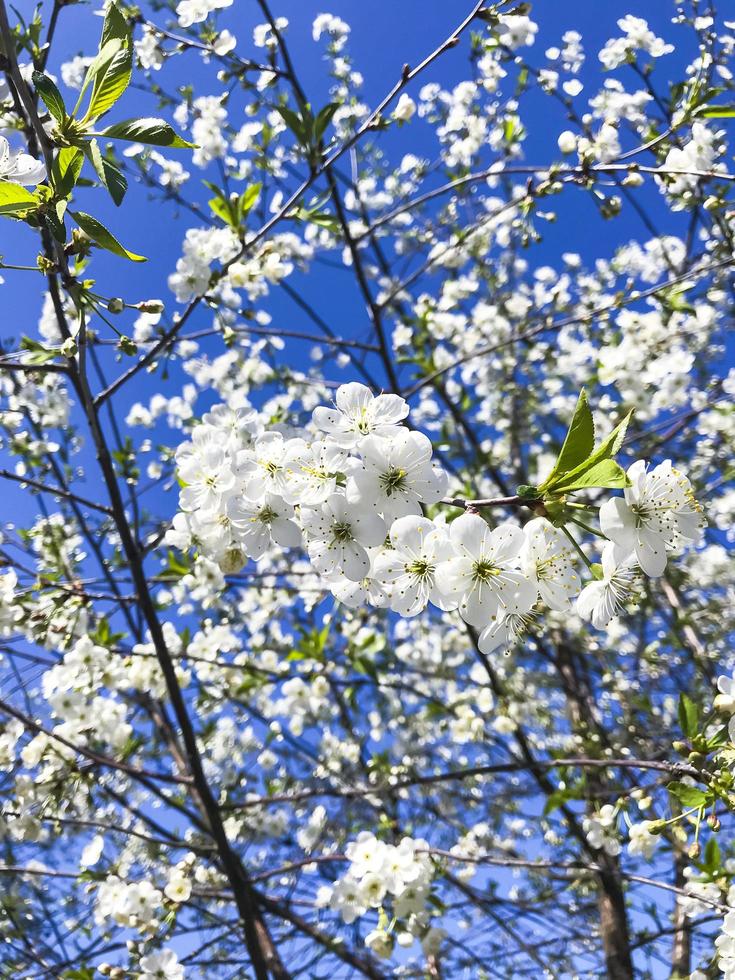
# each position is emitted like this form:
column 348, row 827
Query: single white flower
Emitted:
column 19, row 167
column 339, row 536
column 509, row 626
column 256, row 524
column 602, row 831
column 396, row 475
column 359, row 413
column 601, row 600
column 263, row 468
column 658, row 513
column 312, row 470
column 484, row 574
column 178, row 889
column 380, row 942
column 161, row 966
column 347, row 899
column 548, row 558
column 206, row 471
column 408, row 569
column 642, row 841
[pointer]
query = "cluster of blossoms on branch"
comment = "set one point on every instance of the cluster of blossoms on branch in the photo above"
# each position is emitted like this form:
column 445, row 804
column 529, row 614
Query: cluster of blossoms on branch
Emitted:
column 396, row 880
column 354, row 489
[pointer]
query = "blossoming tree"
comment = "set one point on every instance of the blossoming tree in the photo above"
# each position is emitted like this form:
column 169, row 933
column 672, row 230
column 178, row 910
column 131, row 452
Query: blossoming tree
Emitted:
column 397, row 644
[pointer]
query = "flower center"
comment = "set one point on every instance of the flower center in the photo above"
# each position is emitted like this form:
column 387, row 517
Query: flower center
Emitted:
column 393, row 480
column 342, row 531
column 485, row 571
column 420, row 568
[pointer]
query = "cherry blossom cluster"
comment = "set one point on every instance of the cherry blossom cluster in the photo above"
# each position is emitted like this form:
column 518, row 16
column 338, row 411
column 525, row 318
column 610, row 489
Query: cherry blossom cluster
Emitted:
column 385, row 876
column 353, row 490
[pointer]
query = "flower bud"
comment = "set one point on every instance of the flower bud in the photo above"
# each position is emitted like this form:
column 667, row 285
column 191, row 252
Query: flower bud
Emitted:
column 405, row 108
column 116, row 305
column 725, row 703
column 633, row 180
column 713, row 822
column 567, row 141
column 127, row 346
column 695, row 850
column 150, row 306
column 69, row 347
column 232, row 561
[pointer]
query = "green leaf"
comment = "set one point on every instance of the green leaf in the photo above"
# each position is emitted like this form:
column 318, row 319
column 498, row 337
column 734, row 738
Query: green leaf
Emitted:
column 578, row 442
column 607, row 473
column 115, row 26
column 16, row 201
column 688, row 796
column 154, row 132
column 54, row 218
column 51, row 96
column 99, row 63
column 613, row 476
column 110, row 81
column 104, row 238
column 221, row 208
column 712, row 855
column 249, row 198
column 66, row 169
column 110, row 175
column 717, row 112
column 38, row 354
column 295, row 123
column 688, row 716
column 324, row 118
column 80, row 973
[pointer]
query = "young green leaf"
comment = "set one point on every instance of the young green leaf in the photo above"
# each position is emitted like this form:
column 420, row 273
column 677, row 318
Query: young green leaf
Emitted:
column 37, row 353
column 104, row 238
column 99, row 63
column 66, row 169
column 712, row 856
column 688, row 716
column 607, row 473
column 220, row 207
column 110, row 81
column 295, row 123
column 114, row 26
column 717, row 112
column 52, row 98
column 110, row 175
column 249, row 198
column 689, row 796
column 324, row 118
column 577, row 478
column 16, row 201
column 579, row 441
column 153, row 132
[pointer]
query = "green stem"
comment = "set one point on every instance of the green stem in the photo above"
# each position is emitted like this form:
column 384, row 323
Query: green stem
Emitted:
column 586, row 527
column 579, row 551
